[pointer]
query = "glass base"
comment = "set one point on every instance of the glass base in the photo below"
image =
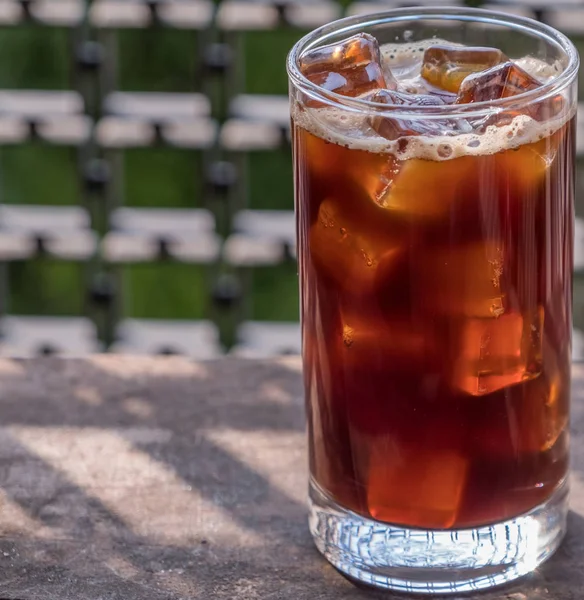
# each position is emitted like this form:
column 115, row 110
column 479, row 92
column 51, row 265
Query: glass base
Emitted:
column 436, row 561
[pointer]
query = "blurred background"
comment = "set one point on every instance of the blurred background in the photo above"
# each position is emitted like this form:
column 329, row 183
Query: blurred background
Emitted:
column 145, row 173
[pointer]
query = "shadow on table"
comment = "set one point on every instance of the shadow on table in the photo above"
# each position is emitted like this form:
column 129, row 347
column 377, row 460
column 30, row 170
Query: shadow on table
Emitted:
column 159, row 479
column 167, row 479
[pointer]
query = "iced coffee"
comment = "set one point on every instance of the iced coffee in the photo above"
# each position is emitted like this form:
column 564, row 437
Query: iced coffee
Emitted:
column 435, row 265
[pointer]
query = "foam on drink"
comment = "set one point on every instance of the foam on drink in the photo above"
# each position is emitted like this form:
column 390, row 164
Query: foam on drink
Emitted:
column 352, row 131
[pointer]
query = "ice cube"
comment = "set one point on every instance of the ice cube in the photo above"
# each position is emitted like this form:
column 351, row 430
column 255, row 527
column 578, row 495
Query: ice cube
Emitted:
column 504, row 81
column 426, row 189
column 546, row 410
column 464, row 281
column 351, row 240
column 493, row 353
column 405, row 98
column 394, row 128
column 401, row 65
column 330, row 461
column 521, row 170
column 414, row 486
column 382, row 359
column 501, row 81
column 335, row 165
column 446, row 66
column 356, row 51
column 545, row 404
column 532, row 418
column 370, row 339
column 351, row 67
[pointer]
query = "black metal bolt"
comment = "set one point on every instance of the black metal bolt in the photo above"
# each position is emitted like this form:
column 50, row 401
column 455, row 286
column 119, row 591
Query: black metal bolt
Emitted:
column 153, row 8
column 168, row 350
column 26, row 4
column 33, row 130
column 158, row 133
column 287, row 351
column 281, row 8
column 222, row 177
column 289, row 253
column 164, row 248
column 226, row 291
column 217, row 58
column 47, row 349
column 103, row 290
column 97, row 175
column 286, row 135
column 40, row 245
column 90, row 55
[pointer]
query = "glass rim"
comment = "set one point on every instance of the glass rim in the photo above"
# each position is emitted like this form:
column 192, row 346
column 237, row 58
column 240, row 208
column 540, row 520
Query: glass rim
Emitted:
column 355, row 24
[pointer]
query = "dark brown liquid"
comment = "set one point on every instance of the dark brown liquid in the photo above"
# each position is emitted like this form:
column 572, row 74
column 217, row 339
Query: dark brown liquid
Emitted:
column 436, row 325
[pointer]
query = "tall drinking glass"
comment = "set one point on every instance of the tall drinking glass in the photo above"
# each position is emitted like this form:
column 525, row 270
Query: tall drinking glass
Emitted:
column 435, row 232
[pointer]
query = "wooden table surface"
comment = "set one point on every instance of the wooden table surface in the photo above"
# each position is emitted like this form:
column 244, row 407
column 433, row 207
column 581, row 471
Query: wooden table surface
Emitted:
column 165, row 479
